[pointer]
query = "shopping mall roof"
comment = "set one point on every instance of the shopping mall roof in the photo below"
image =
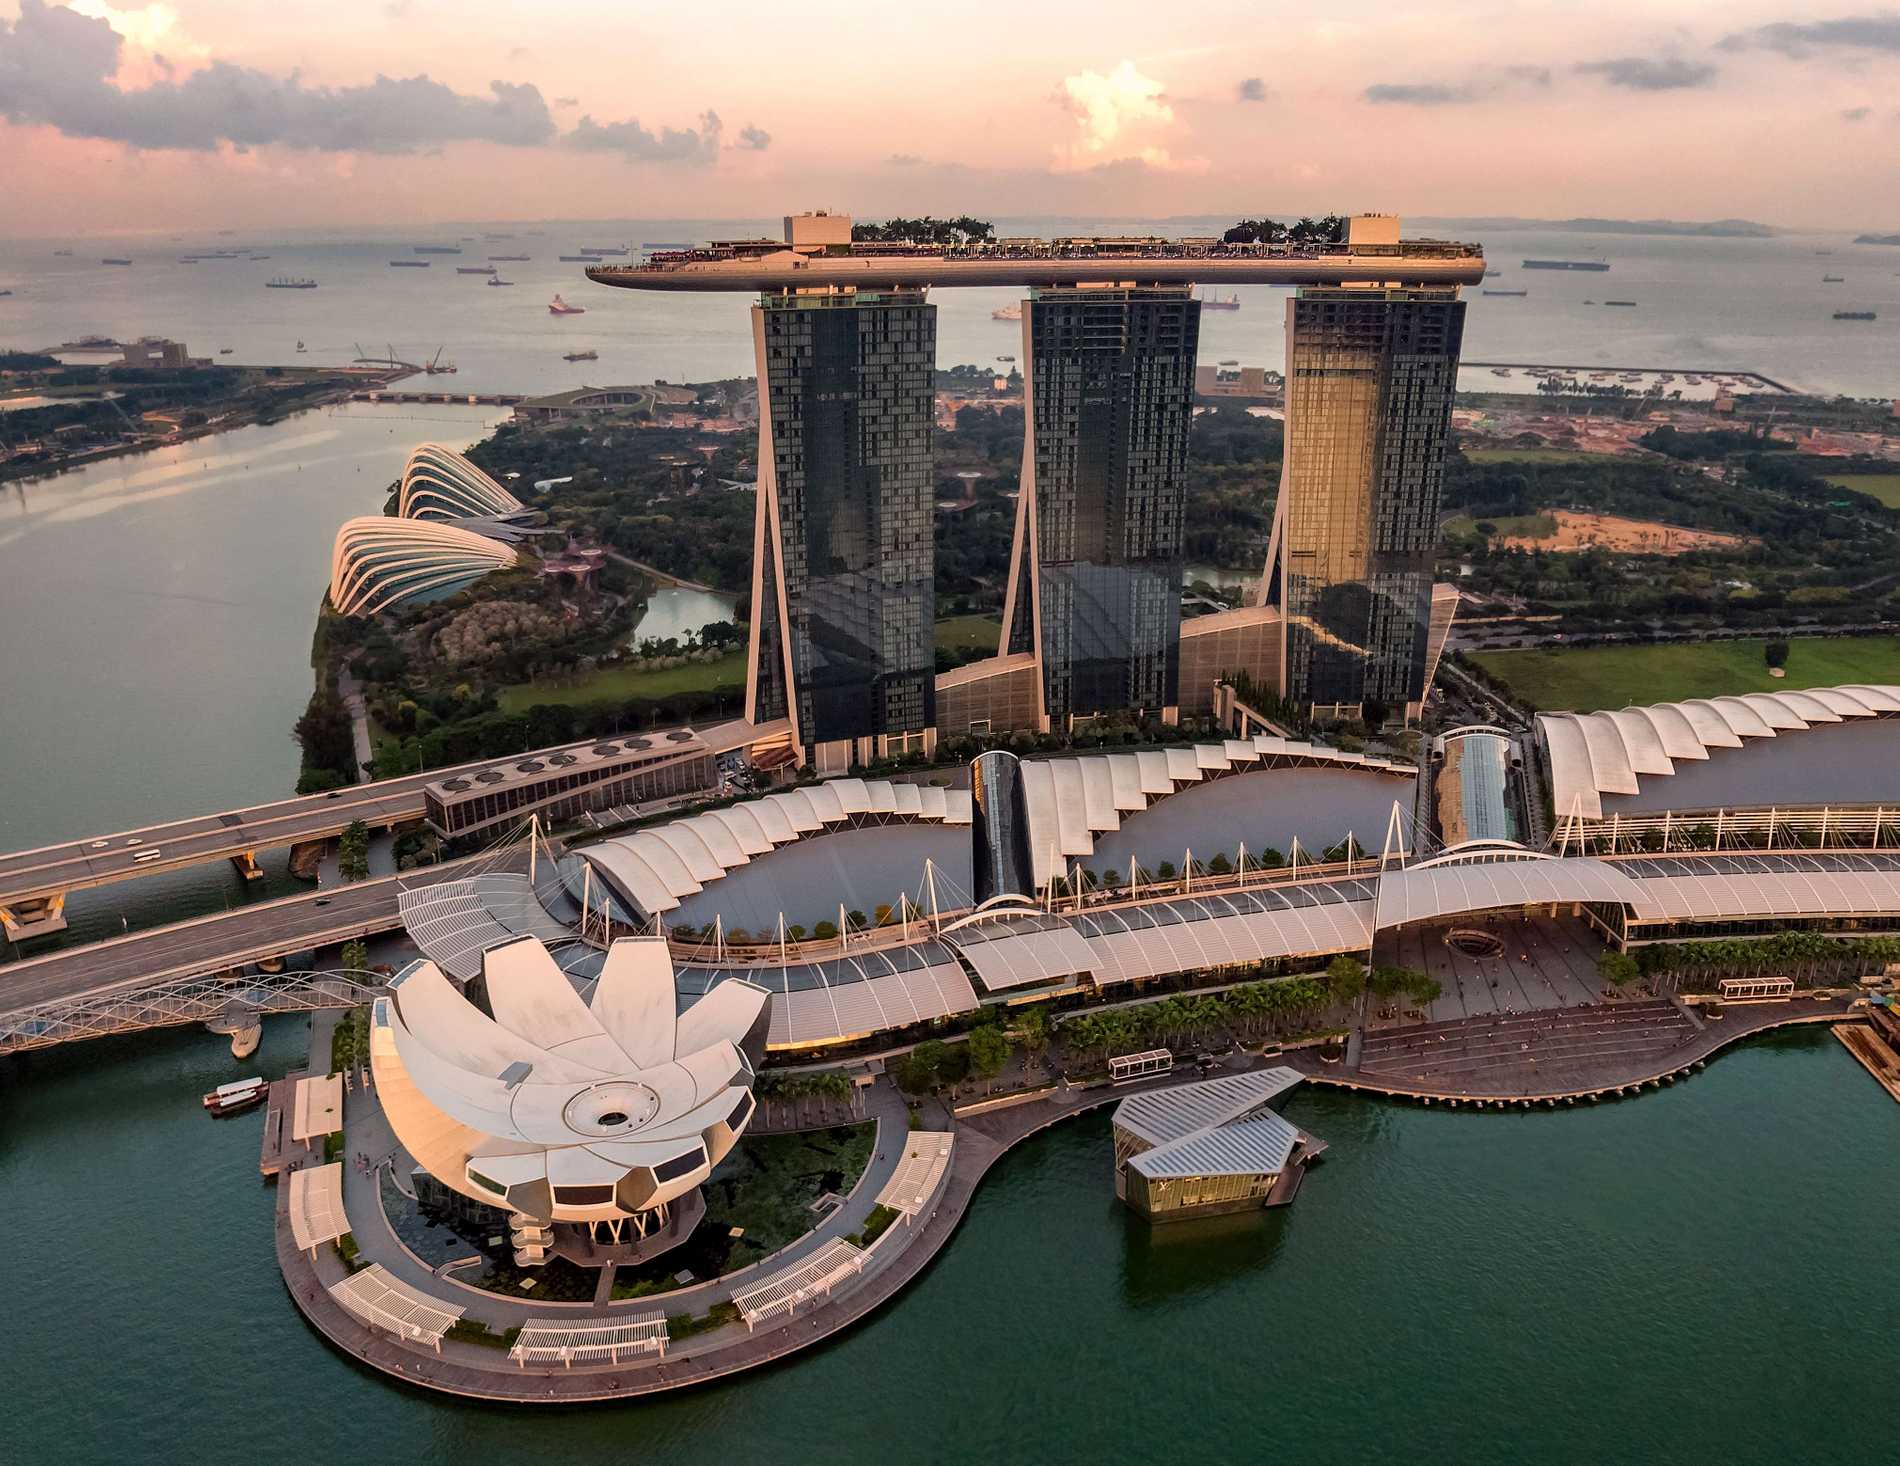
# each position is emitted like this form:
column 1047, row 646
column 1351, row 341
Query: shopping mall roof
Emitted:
column 1834, row 883
column 1257, row 925
column 860, row 993
column 653, row 870
column 1608, row 753
column 1425, row 892
column 1072, row 800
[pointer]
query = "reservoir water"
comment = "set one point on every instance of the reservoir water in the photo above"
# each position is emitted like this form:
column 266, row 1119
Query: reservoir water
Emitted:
column 160, row 608
column 1699, row 1274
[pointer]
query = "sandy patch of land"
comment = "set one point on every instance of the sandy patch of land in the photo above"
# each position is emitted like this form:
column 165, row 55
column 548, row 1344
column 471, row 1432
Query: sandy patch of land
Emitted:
column 1611, row 532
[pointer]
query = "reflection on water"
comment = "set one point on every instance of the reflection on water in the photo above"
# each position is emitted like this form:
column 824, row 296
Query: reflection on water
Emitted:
column 677, row 612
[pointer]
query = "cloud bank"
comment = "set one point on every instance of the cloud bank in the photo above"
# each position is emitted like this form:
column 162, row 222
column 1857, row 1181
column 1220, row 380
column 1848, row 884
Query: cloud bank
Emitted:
column 57, row 69
column 61, row 69
column 1803, row 38
column 1641, row 74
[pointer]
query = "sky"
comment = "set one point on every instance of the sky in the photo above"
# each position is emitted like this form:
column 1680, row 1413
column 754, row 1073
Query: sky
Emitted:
column 197, row 114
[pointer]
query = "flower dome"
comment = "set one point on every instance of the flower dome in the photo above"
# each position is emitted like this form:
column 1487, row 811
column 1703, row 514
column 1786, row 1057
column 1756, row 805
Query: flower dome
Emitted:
column 564, row 1109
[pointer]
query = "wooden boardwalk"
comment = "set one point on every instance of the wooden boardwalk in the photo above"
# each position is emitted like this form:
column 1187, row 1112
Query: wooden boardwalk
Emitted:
column 1875, row 1056
column 1556, row 1056
column 279, row 1152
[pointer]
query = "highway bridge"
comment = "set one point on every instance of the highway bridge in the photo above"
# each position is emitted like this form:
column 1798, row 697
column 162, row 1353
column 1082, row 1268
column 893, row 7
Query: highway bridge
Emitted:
column 34, row 883
column 184, row 973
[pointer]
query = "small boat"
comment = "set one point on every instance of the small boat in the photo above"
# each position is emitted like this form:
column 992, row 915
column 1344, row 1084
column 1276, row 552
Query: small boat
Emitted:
column 1492, row 274
column 1500, row 371
column 115, row 262
column 559, row 307
column 497, row 280
column 59, row 252
column 581, row 356
column 301, row 346
column 6, row 292
column 256, row 258
column 240, row 1094
column 1833, row 279
column 224, row 350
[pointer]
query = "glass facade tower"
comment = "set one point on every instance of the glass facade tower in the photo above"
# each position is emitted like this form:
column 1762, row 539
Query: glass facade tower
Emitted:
column 1369, row 381
column 1095, row 581
column 844, row 555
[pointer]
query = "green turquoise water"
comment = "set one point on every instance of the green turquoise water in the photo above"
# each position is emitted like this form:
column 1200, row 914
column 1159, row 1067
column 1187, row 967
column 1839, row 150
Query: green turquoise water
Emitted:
column 1703, row 1274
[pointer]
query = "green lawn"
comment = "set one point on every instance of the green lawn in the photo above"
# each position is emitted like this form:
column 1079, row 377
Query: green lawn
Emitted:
column 1532, row 455
column 1882, row 486
column 965, row 633
column 1585, row 679
column 618, row 684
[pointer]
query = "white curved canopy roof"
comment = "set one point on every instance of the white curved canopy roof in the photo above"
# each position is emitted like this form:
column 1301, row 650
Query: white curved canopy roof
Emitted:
column 439, row 483
column 659, row 867
column 567, row 1109
column 1593, row 754
column 378, row 562
column 1072, row 800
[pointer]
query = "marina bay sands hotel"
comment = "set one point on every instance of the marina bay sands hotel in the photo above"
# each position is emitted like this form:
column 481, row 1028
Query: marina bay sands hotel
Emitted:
column 842, row 640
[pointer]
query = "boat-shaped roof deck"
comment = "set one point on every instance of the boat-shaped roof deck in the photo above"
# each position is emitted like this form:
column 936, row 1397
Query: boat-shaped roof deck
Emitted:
column 768, row 265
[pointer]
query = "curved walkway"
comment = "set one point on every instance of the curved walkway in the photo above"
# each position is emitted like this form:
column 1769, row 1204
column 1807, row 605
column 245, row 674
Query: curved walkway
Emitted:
column 902, row 1254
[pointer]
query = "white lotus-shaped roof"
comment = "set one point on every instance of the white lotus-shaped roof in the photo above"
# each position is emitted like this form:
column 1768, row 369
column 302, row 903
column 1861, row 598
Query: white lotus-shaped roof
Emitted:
column 563, row 1108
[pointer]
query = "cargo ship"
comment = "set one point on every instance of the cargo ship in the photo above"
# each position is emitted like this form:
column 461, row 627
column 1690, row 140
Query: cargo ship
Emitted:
column 581, row 356
column 510, row 259
column 497, row 280
column 1504, row 292
column 1596, row 265
column 474, row 269
column 290, row 282
column 115, row 262
column 1855, row 316
column 409, row 264
column 438, row 249
column 579, row 259
column 559, row 307
column 1833, row 279
column 1619, row 302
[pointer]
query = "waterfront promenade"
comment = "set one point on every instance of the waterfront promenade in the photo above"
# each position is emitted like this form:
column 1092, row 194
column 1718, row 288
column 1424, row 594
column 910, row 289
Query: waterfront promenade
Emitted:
column 1622, row 1061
